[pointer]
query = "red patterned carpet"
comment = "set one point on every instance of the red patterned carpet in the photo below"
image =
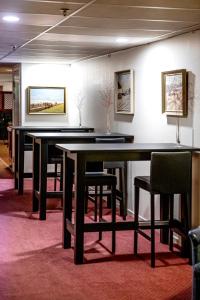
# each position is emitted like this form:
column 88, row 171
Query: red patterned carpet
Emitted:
column 33, row 265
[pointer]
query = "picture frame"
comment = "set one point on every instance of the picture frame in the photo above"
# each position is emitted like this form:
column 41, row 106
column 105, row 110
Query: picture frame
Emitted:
column 174, row 93
column 46, row 100
column 124, row 92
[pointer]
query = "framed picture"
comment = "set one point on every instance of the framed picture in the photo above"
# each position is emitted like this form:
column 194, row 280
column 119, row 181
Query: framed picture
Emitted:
column 174, row 93
column 124, row 100
column 46, row 100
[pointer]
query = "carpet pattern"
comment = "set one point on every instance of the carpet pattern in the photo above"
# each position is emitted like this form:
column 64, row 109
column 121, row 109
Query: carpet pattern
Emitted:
column 34, row 266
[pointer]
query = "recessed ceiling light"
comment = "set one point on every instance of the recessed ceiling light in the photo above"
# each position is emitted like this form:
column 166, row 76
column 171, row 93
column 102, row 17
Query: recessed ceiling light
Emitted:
column 122, row 40
column 11, row 18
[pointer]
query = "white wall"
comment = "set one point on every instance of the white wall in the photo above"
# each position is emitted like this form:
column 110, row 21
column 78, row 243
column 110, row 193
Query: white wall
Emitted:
column 148, row 123
column 44, row 75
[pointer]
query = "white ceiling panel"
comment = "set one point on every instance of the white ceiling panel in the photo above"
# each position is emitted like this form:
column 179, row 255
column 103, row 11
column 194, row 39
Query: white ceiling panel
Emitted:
column 129, row 24
column 168, row 4
column 37, row 7
column 89, row 28
column 129, row 12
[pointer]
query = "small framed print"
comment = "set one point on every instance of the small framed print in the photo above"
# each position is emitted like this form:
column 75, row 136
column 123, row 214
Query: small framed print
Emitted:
column 124, row 100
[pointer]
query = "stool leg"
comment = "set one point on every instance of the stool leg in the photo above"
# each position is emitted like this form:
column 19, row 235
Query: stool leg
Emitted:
column 152, row 232
column 113, row 204
column 136, row 219
column 110, row 171
column 61, row 177
column 123, row 200
column 86, row 199
column 171, row 217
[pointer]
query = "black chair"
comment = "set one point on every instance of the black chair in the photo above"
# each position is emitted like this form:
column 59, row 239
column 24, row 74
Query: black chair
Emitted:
column 113, row 167
column 170, row 173
column 194, row 236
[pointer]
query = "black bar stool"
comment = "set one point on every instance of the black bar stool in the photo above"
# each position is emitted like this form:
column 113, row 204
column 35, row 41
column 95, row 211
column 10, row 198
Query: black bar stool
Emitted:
column 99, row 180
column 121, row 166
column 170, row 173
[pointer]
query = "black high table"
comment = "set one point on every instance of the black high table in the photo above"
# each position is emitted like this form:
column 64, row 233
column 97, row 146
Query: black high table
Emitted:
column 78, row 155
column 23, row 143
column 41, row 143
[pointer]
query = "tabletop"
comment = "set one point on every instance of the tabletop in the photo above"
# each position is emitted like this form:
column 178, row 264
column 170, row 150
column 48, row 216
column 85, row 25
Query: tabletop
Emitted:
column 133, row 147
column 40, row 128
column 57, row 135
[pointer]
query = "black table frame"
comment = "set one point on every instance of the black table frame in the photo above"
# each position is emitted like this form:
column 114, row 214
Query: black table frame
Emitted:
column 41, row 143
column 20, row 133
column 79, row 155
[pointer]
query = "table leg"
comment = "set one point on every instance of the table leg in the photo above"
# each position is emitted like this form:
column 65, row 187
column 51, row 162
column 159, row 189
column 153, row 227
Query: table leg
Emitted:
column 16, row 159
column 67, row 199
column 43, row 179
column 79, row 209
column 125, row 189
column 36, row 161
column 21, row 163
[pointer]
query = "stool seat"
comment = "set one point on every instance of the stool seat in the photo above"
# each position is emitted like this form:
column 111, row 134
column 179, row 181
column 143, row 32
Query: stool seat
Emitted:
column 100, row 178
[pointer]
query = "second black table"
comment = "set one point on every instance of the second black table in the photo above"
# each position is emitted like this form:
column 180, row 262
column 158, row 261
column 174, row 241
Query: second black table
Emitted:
column 41, row 143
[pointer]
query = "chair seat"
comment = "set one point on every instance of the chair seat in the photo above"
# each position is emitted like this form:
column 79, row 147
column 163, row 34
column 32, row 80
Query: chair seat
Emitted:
column 143, row 182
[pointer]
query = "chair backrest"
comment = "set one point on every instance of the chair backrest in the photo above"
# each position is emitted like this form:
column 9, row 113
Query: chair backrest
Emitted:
column 110, row 140
column 170, row 172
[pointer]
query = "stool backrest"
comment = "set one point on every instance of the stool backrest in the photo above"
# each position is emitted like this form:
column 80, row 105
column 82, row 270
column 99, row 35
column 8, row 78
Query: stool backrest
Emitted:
column 112, row 164
column 171, row 172
column 98, row 166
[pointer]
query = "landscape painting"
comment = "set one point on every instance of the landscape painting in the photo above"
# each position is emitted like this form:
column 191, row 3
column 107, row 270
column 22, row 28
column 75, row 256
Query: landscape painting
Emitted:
column 46, row 100
column 174, row 93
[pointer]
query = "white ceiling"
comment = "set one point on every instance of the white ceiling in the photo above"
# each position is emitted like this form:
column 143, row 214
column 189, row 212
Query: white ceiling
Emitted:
column 90, row 28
